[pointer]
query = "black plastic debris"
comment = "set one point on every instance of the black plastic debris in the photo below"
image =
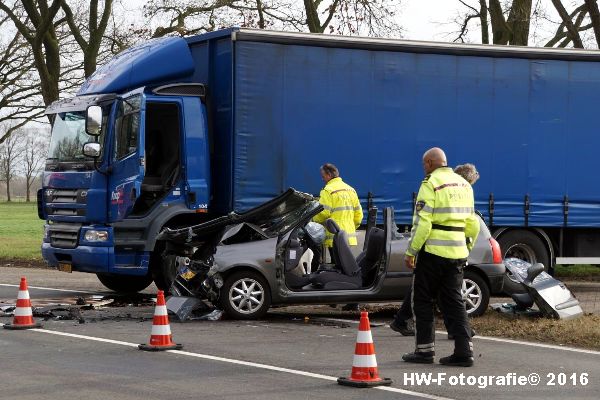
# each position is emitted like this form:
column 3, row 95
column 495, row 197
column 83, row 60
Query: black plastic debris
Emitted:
column 7, row 311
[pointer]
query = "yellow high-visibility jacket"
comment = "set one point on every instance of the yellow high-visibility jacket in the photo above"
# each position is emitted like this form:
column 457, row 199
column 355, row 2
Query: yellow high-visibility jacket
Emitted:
column 340, row 203
column 444, row 216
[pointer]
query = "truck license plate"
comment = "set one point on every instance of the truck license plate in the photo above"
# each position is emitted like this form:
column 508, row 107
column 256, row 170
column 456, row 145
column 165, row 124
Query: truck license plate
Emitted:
column 65, row 267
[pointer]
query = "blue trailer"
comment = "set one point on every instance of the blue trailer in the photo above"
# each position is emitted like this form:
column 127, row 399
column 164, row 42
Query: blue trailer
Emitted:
column 184, row 130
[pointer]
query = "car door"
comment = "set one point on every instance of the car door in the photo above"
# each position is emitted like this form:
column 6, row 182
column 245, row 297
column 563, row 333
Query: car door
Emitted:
column 398, row 277
column 128, row 161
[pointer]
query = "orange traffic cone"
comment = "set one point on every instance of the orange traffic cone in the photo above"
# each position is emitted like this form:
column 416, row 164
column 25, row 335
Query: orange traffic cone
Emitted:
column 160, row 338
column 364, row 364
column 23, row 315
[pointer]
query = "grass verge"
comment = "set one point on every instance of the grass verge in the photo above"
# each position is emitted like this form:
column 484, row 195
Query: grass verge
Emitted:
column 21, row 231
column 577, row 272
column 582, row 332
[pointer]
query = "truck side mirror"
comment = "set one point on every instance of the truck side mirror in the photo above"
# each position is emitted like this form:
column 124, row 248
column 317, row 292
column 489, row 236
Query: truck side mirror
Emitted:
column 93, row 120
column 91, row 149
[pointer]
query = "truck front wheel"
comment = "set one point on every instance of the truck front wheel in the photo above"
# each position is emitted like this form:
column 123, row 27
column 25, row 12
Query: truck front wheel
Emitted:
column 125, row 283
column 524, row 245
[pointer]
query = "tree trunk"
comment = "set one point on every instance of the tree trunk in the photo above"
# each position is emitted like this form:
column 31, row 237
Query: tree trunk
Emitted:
column 483, row 15
column 28, row 183
column 8, row 189
column 566, row 18
column 592, row 7
column 519, row 20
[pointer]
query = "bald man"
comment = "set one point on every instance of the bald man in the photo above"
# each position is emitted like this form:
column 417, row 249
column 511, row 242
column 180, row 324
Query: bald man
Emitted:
column 444, row 218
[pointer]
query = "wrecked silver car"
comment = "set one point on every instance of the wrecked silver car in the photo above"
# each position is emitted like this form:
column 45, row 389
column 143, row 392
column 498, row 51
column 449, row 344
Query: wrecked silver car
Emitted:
column 272, row 255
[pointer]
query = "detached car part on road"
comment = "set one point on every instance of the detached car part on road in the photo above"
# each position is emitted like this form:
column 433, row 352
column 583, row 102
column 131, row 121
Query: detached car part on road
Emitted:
column 246, row 263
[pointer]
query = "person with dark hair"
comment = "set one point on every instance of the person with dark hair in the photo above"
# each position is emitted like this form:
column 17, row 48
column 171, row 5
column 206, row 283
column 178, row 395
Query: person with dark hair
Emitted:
column 340, row 203
column 444, row 231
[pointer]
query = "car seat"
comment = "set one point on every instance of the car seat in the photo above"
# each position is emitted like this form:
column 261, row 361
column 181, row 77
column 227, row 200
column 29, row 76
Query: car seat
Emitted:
column 349, row 276
column 367, row 260
column 293, row 253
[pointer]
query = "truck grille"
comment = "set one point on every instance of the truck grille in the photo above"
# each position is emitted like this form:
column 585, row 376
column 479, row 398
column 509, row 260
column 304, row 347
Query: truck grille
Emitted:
column 64, row 235
column 66, row 202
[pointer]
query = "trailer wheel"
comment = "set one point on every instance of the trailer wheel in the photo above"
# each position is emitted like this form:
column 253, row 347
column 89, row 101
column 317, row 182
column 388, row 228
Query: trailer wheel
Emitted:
column 125, row 283
column 245, row 295
column 524, row 245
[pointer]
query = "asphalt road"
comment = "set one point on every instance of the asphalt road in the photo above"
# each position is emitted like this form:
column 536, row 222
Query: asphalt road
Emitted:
column 283, row 356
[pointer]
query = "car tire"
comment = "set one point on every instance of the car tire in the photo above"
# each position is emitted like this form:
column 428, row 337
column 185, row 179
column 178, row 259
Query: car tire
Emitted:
column 125, row 283
column 245, row 295
column 524, row 245
column 476, row 294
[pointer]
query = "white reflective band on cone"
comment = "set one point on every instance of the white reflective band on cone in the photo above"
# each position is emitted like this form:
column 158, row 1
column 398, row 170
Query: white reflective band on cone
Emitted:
column 364, row 337
column 161, row 330
column 364, row 361
column 22, row 295
column 23, row 312
column 160, row 310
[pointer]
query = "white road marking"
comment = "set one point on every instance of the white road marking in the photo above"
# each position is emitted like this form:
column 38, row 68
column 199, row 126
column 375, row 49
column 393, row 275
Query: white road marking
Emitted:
column 238, row 362
column 501, row 340
column 542, row 345
column 54, row 289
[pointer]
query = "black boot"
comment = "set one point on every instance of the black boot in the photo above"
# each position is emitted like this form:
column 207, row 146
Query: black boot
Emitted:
column 418, row 358
column 405, row 328
column 457, row 361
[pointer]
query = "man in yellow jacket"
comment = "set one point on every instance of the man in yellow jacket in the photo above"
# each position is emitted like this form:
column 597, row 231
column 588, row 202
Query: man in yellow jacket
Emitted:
column 444, row 230
column 340, row 203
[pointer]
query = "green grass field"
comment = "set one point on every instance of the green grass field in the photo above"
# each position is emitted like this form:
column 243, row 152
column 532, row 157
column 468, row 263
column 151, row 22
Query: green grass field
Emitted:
column 21, row 231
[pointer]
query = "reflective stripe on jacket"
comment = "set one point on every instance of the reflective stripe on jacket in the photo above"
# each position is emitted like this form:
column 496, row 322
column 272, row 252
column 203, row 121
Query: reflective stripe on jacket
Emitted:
column 444, row 216
column 340, row 203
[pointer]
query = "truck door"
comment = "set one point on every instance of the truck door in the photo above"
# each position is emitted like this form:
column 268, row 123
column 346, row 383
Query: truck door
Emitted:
column 128, row 161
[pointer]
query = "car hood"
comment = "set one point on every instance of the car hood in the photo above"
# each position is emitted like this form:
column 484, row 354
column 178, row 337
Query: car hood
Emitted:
column 270, row 219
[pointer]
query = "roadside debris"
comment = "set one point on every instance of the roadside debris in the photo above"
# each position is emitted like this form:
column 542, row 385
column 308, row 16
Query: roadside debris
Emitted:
column 530, row 285
column 187, row 308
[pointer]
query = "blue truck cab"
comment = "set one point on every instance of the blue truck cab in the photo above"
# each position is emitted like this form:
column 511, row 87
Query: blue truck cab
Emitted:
column 151, row 164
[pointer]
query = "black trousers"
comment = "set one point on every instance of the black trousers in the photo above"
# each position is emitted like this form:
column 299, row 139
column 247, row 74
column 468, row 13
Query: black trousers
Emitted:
column 438, row 278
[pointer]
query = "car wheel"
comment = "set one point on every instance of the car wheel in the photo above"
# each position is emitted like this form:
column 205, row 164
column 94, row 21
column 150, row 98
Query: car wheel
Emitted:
column 245, row 295
column 524, row 245
column 125, row 283
column 476, row 294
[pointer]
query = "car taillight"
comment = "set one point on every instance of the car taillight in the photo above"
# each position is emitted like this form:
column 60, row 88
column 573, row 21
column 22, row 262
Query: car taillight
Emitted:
column 496, row 253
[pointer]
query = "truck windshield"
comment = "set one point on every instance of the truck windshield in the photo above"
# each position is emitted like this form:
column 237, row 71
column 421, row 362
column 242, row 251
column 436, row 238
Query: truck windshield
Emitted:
column 68, row 137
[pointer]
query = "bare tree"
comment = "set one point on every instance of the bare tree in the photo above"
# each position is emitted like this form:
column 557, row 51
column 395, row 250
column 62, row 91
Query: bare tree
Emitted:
column 19, row 100
column 45, row 29
column 10, row 153
column 34, row 154
column 511, row 21
column 371, row 17
column 95, row 31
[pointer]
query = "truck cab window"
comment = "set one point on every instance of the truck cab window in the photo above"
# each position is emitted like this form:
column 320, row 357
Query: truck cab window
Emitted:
column 127, row 127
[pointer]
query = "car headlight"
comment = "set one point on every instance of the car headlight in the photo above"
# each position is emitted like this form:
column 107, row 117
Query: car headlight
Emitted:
column 96, row 236
column 46, row 232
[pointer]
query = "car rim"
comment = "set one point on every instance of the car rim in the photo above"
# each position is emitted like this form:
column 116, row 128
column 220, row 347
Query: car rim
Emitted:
column 246, row 296
column 471, row 295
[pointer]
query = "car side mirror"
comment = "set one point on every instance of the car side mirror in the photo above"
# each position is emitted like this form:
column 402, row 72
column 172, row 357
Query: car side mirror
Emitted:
column 91, row 149
column 93, row 120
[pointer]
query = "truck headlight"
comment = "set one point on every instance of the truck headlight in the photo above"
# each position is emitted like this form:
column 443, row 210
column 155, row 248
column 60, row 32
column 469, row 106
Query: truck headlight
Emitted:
column 96, row 236
column 46, row 232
